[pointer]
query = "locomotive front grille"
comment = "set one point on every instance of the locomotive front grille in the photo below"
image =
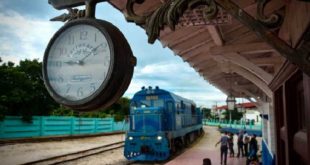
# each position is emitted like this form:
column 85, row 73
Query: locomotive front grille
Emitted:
column 145, row 149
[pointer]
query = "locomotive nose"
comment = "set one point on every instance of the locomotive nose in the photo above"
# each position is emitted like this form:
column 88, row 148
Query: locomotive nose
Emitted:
column 145, row 149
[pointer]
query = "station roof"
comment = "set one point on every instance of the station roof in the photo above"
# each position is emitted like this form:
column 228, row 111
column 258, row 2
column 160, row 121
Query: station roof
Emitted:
column 224, row 51
column 248, row 105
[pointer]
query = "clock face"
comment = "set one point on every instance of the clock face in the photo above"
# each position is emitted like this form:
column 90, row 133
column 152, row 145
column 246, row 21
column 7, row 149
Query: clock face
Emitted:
column 78, row 62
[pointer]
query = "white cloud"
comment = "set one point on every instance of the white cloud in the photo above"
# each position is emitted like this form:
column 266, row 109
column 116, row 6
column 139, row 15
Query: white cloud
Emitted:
column 178, row 78
column 23, row 37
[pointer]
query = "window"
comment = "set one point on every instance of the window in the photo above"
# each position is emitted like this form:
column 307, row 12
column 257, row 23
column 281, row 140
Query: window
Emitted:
column 158, row 103
column 170, row 106
column 145, row 103
column 193, row 108
column 133, row 105
column 182, row 105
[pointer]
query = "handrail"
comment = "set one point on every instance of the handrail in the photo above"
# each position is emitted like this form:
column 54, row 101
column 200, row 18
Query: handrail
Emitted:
column 233, row 124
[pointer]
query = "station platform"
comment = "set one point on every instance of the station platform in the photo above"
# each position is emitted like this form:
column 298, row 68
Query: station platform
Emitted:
column 205, row 148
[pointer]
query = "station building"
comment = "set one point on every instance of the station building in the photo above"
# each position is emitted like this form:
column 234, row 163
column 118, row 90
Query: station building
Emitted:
column 247, row 48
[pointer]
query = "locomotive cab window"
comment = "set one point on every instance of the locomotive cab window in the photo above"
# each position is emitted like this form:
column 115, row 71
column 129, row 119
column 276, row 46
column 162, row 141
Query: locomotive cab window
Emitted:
column 182, row 105
column 170, row 106
column 158, row 103
column 133, row 105
column 193, row 107
column 145, row 103
column 178, row 106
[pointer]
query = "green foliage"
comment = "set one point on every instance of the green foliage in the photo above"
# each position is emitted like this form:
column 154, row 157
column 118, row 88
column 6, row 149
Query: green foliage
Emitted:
column 22, row 91
column 62, row 111
column 118, row 110
column 206, row 113
column 235, row 115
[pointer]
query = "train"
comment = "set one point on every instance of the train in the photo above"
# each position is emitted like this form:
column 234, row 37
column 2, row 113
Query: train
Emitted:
column 160, row 124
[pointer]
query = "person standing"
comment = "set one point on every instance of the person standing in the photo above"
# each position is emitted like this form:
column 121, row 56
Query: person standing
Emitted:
column 246, row 140
column 240, row 143
column 231, row 145
column 253, row 148
column 224, row 147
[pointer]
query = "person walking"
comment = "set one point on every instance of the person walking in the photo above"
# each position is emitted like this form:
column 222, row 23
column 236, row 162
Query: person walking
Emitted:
column 246, row 140
column 240, row 143
column 224, row 148
column 231, row 145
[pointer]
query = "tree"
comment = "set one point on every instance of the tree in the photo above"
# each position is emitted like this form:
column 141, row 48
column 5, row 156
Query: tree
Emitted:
column 118, row 110
column 22, row 91
column 206, row 112
column 235, row 115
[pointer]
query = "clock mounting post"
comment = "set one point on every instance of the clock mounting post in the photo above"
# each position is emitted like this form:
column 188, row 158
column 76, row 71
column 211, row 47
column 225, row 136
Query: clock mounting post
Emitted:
column 89, row 12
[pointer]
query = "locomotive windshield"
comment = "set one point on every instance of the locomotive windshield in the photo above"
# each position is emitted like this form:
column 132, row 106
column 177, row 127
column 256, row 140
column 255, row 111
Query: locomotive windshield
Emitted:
column 147, row 103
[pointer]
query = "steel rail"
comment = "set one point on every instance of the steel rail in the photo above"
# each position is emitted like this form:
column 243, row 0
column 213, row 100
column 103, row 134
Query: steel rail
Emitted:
column 77, row 155
column 4, row 142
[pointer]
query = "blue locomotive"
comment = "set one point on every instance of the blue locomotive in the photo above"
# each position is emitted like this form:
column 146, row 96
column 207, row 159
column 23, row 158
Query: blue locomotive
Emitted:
column 161, row 123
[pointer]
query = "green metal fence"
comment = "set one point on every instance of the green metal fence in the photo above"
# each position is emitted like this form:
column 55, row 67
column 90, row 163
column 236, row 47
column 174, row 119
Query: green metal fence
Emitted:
column 234, row 124
column 14, row 127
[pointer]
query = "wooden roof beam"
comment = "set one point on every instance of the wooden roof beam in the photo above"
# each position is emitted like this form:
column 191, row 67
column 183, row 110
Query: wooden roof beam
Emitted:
column 267, row 61
column 297, row 56
column 230, row 67
column 242, row 62
column 259, row 47
column 198, row 48
column 248, row 65
column 215, row 35
column 186, row 37
column 255, row 80
column 197, row 59
column 179, row 32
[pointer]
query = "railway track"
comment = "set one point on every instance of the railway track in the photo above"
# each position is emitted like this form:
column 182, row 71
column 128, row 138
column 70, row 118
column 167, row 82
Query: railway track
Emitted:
column 77, row 155
column 4, row 142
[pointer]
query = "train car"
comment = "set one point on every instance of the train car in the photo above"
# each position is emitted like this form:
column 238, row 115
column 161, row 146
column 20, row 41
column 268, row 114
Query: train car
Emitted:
column 161, row 123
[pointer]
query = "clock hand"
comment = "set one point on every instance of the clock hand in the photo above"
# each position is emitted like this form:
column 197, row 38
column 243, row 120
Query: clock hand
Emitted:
column 73, row 62
column 70, row 62
column 92, row 51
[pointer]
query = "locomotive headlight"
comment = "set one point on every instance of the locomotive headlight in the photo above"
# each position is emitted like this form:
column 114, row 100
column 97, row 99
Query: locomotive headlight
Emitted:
column 159, row 137
column 130, row 138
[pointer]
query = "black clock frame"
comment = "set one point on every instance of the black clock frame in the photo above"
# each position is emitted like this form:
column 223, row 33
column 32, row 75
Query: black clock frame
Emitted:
column 118, row 77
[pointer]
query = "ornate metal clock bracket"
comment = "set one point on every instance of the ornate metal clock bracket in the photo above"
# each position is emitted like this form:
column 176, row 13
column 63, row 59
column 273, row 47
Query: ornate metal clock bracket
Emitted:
column 89, row 12
column 170, row 12
column 275, row 20
column 167, row 14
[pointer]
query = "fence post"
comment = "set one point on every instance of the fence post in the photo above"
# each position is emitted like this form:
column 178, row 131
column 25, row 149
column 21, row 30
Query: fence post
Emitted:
column 2, row 128
column 95, row 123
column 72, row 125
column 112, row 124
column 42, row 118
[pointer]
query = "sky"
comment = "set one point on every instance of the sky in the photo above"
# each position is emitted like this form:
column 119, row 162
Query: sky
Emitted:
column 25, row 31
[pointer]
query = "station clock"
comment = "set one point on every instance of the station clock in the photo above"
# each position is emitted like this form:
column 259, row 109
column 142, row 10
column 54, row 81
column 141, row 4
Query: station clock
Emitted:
column 87, row 64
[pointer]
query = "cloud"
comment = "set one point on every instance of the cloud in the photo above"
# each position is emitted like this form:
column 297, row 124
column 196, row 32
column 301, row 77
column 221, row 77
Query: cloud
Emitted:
column 178, row 78
column 34, row 8
column 22, row 37
column 136, row 36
